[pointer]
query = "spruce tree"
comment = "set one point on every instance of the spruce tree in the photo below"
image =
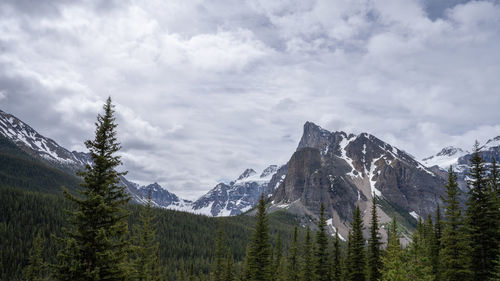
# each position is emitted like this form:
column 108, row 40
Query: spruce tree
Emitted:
column 482, row 221
column 293, row 257
column 393, row 268
column 357, row 256
column 219, row 266
column 146, row 262
column 307, row 271
column 229, row 271
column 337, row 259
column 454, row 252
column 36, row 269
column 259, row 259
column 436, row 244
column 374, row 261
column 278, row 255
column 96, row 247
column 418, row 262
column 322, row 266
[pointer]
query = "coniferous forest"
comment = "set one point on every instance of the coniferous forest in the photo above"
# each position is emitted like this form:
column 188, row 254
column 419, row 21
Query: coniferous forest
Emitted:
column 95, row 233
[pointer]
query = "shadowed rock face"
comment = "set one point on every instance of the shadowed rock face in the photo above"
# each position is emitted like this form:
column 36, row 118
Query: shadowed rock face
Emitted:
column 341, row 170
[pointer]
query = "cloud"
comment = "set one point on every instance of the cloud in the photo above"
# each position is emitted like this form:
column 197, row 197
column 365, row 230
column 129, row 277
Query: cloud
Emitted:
column 205, row 89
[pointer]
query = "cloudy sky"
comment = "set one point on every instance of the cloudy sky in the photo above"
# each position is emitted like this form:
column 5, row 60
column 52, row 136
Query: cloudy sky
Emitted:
column 205, row 89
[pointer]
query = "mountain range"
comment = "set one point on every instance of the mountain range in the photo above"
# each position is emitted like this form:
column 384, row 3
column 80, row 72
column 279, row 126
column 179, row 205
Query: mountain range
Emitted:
column 338, row 169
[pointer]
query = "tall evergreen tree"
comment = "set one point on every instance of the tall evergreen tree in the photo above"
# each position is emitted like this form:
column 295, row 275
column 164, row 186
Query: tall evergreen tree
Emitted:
column 393, row 268
column 259, row 259
column 374, row 261
column 357, row 261
column 36, row 269
column 219, row 266
column 418, row 262
column 278, row 256
column 482, row 222
column 146, row 262
column 229, row 271
column 97, row 247
column 436, row 244
column 307, row 271
column 337, row 259
column 293, row 257
column 454, row 247
column 322, row 265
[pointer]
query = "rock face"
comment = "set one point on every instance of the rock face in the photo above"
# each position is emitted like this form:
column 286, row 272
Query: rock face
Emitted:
column 341, row 170
column 240, row 195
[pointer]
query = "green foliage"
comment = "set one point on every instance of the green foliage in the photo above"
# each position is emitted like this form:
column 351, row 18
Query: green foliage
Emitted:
column 293, row 257
column 374, row 262
column 307, row 272
column 454, row 252
column 218, row 271
column 96, row 247
column 418, row 261
column 321, row 255
column 259, row 258
column 356, row 259
column 392, row 261
column 146, row 264
column 19, row 169
column 337, row 259
column 36, row 269
column 482, row 219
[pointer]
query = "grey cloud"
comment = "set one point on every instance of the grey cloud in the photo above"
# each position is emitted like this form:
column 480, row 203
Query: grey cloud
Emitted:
column 207, row 89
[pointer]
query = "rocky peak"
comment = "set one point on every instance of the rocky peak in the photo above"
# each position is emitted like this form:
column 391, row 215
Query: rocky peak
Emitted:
column 492, row 143
column 450, row 151
column 269, row 171
column 247, row 173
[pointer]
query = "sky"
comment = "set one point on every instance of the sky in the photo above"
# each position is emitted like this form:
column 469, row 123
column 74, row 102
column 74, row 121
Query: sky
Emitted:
column 206, row 89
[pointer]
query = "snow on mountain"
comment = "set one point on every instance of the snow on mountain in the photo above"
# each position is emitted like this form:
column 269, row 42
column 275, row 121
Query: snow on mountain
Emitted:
column 35, row 144
column 446, row 157
column 238, row 196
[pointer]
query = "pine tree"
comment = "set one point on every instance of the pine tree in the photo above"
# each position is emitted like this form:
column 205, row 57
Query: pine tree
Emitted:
column 482, row 222
column 293, row 258
column 146, row 262
column 36, row 269
column 229, row 271
column 259, row 259
column 97, row 247
column 374, row 261
column 337, row 256
column 219, row 255
column 322, row 266
column 436, row 244
column 454, row 248
column 393, row 268
column 307, row 271
column 357, row 256
column 417, row 263
column 278, row 256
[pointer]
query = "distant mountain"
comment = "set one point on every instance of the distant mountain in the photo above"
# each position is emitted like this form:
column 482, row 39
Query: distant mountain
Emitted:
column 239, row 196
column 459, row 159
column 37, row 145
column 343, row 170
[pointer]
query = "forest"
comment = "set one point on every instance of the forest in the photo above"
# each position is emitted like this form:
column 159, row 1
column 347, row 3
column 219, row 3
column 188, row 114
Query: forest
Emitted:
column 97, row 234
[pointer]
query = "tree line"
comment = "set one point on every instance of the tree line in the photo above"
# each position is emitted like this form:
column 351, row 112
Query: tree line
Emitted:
column 461, row 244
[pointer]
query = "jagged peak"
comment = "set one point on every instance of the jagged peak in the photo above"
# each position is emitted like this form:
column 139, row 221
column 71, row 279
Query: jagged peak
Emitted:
column 247, row 173
column 269, row 170
column 450, row 151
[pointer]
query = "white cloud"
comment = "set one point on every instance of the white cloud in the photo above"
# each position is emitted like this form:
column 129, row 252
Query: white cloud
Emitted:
column 205, row 89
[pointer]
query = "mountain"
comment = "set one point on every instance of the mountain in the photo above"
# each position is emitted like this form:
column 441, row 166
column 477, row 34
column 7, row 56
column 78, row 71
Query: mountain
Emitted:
column 343, row 170
column 459, row 158
column 239, row 196
column 27, row 148
column 37, row 145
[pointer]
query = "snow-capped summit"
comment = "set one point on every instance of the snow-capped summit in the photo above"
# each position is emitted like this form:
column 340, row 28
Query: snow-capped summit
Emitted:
column 446, row 157
column 491, row 144
column 238, row 196
column 247, row 173
column 39, row 146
